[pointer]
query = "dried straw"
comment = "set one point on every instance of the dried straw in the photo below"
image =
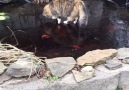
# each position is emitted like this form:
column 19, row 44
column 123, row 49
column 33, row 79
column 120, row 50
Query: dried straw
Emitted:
column 10, row 54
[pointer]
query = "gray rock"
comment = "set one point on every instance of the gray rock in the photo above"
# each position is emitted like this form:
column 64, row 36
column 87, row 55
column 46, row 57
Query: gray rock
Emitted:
column 104, row 80
column 126, row 60
column 109, row 82
column 124, row 77
column 113, row 64
column 123, row 53
column 68, row 79
column 4, row 78
column 23, row 84
column 2, row 68
column 86, row 73
column 22, row 68
column 5, row 1
column 1, row 88
column 61, row 65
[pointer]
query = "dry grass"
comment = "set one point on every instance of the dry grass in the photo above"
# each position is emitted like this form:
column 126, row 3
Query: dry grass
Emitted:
column 10, row 54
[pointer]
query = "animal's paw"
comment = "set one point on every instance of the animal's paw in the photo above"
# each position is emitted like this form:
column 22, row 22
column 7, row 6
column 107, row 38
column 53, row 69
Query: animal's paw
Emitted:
column 58, row 20
column 75, row 21
column 53, row 17
column 65, row 22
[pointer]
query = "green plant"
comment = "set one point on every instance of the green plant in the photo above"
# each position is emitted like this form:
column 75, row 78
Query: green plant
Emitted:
column 52, row 78
column 118, row 88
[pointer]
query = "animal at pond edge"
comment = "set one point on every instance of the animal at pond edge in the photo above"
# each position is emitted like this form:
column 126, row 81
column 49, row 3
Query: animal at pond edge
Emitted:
column 73, row 10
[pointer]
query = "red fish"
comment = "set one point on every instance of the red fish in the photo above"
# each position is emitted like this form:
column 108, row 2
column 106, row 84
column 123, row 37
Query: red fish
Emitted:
column 76, row 47
column 45, row 36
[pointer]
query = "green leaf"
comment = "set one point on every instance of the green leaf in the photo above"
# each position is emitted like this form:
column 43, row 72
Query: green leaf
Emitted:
column 55, row 78
column 49, row 78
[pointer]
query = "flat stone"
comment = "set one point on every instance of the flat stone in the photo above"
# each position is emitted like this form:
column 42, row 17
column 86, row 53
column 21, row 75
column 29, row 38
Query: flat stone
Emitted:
column 124, row 77
column 123, row 53
column 22, row 68
column 68, row 79
column 86, row 73
column 87, row 69
column 61, row 65
column 2, row 67
column 24, row 84
column 113, row 61
column 96, row 57
column 4, row 78
column 113, row 64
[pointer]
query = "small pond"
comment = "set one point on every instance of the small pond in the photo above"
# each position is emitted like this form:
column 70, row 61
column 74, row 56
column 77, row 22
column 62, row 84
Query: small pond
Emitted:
column 108, row 27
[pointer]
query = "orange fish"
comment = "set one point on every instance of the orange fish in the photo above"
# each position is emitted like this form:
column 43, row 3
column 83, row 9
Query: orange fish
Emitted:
column 45, row 36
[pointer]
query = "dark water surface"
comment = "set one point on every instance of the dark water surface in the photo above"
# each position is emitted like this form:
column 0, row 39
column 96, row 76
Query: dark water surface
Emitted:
column 26, row 22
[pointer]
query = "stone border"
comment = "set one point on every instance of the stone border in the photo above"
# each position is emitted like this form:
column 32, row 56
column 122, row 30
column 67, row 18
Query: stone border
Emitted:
column 104, row 80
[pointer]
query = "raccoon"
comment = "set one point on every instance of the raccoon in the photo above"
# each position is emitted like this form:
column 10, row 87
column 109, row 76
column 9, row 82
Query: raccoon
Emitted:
column 73, row 10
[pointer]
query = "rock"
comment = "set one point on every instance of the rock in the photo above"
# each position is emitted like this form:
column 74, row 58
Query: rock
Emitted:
column 123, row 53
column 126, row 60
column 22, row 68
column 2, row 68
column 124, row 77
column 25, row 84
column 96, row 56
column 104, row 79
column 103, row 82
column 123, row 73
column 69, row 78
column 61, row 65
column 113, row 64
column 87, row 69
column 5, row 1
column 86, row 73
column 4, row 78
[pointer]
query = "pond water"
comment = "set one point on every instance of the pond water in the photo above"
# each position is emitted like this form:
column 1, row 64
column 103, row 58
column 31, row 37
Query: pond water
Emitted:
column 24, row 28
